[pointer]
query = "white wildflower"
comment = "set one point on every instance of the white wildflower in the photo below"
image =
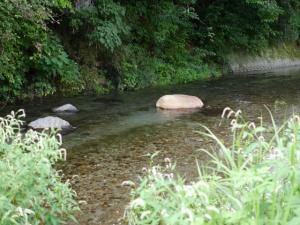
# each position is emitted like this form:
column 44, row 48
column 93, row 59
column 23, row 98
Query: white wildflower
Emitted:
column 145, row 214
column 225, row 111
column 63, row 153
column 252, row 125
column 207, row 216
column 239, row 112
column 21, row 113
column 154, row 171
column 128, row 183
column 187, row 212
column 23, row 212
column 139, row 202
column 230, row 113
column 293, row 137
column 189, row 190
column 261, row 138
column 164, row 213
column 213, row 209
column 167, row 160
column 59, row 138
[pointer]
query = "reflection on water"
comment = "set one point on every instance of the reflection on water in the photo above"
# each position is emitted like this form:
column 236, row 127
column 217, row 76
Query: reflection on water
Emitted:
column 115, row 132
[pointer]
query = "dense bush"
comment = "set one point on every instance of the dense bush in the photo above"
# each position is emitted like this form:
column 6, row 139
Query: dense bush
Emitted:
column 54, row 70
column 237, row 25
column 31, row 190
column 102, row 23
column 32, row 59
column 253, row 180
column 139, row 69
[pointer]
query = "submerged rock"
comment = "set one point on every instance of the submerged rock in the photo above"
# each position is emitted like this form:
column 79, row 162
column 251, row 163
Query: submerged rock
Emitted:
column 178, row 101
column 65, row 108
column 50, row 122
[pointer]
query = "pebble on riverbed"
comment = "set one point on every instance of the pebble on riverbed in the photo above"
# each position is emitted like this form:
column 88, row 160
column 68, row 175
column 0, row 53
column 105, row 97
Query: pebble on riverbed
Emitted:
column 65, row 108
column 50, row 122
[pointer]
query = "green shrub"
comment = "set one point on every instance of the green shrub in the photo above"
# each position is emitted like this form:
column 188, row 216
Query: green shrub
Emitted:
column 32, row 60
column 95, row 81
column 55, row 69
column 253, row 180
column 102, row 23
column 139, row 69
column 31, row 190
column 162, row 25
column 135, row 68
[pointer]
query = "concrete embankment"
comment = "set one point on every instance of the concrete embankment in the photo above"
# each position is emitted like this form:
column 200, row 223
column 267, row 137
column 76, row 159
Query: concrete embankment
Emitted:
column 267, row 60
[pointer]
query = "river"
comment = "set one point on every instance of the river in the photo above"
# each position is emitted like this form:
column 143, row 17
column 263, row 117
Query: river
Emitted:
column 114, row 133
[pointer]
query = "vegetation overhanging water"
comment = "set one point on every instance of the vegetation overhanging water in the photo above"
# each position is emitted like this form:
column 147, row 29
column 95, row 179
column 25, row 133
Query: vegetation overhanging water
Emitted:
column 74, row 47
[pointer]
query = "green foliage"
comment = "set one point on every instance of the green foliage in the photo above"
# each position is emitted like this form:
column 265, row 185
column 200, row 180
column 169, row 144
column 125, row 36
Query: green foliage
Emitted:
column 289, row 21
column 139, row 69
column 161, row 24
column 31, row 190
column 32, row 60
column 102, row 23
column 246, row 24
column 253, row 180
column 54, row 67
column 95, row 81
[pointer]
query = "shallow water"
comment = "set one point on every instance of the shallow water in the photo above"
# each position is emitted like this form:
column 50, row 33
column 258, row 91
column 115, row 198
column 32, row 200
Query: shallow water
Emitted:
column 114, row 133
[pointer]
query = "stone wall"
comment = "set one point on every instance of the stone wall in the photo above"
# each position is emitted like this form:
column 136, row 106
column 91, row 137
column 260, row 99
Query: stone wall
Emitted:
column 270, row 59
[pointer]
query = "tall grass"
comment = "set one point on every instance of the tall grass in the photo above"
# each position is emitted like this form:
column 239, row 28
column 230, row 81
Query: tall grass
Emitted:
column 31, row 190
column 255, row 179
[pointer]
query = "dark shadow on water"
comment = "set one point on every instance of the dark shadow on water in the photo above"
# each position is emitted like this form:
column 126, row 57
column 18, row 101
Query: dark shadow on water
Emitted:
column 108, row 100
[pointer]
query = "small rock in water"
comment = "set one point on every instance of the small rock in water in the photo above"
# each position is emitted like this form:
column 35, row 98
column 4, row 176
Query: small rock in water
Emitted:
column 65, row 108
column 50, row 122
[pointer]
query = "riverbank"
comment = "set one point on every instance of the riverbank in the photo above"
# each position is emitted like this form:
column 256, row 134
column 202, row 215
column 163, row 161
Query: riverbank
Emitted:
column 283, row 56
column 82, row 46
column 156, row 72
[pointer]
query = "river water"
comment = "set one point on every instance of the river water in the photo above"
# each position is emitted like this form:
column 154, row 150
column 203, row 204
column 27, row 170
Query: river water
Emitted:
column 114, row 133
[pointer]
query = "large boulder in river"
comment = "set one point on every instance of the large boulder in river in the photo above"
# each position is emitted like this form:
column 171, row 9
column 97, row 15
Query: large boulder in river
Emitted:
column 178, row 101
column 50, row 122
column 65, row 108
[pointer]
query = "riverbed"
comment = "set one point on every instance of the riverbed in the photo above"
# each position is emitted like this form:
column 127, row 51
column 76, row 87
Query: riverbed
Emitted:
column 115, row 133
